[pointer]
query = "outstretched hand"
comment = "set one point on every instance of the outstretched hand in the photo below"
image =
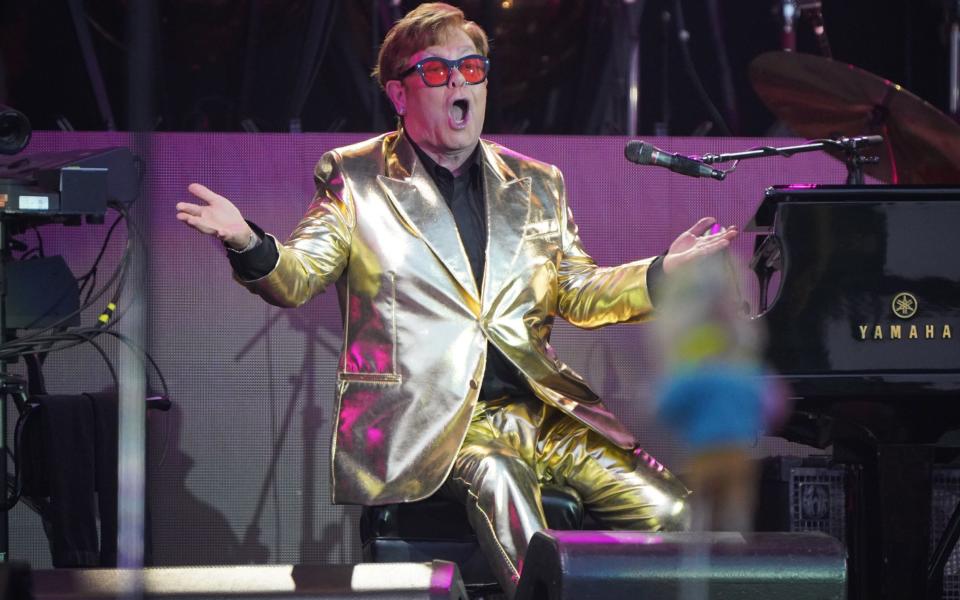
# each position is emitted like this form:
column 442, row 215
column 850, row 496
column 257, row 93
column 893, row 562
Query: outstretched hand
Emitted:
column 217, row 216
column 692, row 244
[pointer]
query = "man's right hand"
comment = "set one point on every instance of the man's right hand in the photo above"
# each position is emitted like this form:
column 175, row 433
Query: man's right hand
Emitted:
column 217, row 217
column 695, row 242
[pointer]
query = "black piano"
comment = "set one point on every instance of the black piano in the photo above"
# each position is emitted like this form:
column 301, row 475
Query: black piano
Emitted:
column 860, row 294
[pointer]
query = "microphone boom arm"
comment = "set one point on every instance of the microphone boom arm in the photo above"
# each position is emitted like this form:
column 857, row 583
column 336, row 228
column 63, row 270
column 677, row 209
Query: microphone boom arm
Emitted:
column 850, row 146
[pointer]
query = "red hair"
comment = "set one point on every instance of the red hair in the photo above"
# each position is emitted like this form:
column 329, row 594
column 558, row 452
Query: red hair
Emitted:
column 427, row 25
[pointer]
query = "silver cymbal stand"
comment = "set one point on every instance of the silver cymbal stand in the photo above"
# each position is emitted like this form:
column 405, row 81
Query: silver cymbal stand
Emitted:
column 953, row 18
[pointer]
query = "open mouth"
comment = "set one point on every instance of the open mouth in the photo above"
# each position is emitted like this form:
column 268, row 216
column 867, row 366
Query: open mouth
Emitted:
column 458, row 113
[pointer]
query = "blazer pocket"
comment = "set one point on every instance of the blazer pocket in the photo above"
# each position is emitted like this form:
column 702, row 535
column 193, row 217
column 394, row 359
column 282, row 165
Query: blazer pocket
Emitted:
column 383, row 378
column 541, row 228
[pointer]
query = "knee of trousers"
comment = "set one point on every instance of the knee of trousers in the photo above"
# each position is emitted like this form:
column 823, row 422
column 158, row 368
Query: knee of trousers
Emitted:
column 495, row 469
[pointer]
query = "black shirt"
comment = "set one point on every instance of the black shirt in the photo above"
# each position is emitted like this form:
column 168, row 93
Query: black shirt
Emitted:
column 464, row 196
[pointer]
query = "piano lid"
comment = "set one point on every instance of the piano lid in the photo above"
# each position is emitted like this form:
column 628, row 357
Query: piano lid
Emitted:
column 773, row 197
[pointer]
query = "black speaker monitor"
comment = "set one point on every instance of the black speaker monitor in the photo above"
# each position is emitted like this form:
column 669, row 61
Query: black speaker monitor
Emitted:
column 582, row 565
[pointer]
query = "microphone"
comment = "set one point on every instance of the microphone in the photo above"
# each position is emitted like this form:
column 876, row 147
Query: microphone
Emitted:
column 643, row 153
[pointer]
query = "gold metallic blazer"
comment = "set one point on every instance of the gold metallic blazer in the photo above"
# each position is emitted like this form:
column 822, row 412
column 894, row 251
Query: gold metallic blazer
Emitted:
column 415, row 325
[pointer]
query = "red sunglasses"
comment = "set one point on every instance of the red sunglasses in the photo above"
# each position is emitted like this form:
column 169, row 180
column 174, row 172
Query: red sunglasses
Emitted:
column 436, row 71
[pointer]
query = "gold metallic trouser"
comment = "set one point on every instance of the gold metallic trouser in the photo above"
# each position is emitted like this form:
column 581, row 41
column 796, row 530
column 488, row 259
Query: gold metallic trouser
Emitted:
column 514, row 446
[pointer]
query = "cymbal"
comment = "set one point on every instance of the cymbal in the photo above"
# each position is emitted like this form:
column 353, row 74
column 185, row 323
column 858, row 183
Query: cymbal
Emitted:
column 821, row 98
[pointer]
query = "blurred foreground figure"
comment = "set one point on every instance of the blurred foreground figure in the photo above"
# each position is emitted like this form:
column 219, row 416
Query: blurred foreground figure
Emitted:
column 712, row 392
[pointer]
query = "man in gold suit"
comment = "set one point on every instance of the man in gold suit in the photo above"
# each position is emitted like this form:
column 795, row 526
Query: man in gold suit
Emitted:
column 452, row 256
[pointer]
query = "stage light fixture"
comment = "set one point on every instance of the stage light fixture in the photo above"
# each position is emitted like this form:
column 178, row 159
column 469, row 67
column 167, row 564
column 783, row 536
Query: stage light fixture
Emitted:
column 15, row 130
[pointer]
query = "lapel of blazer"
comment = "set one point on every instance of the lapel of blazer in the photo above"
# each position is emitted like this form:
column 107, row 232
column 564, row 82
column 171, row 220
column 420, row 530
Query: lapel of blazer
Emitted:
column 508, row 204
column 415, row 197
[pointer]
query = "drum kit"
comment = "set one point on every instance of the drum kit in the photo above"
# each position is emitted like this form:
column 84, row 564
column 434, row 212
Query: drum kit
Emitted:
column 823, row 98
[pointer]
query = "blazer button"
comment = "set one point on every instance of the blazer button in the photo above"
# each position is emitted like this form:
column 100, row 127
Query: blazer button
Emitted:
column 473, row 384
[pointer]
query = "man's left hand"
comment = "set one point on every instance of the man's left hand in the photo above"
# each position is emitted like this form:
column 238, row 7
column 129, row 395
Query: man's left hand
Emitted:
column 692, row 244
